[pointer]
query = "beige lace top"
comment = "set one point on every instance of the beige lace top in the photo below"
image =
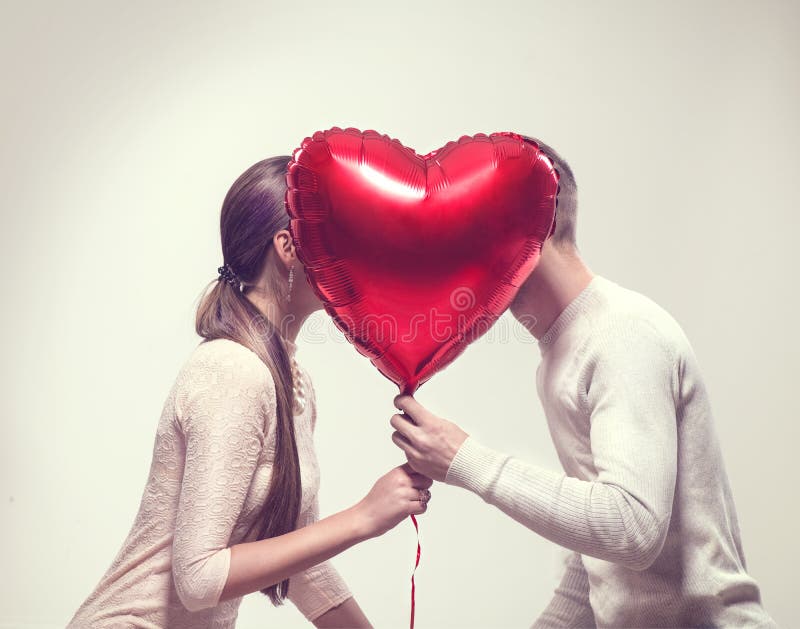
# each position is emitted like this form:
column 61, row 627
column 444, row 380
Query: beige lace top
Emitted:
column 211, row 467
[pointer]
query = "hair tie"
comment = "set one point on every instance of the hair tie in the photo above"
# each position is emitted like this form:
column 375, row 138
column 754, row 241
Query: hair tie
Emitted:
column 226, row 274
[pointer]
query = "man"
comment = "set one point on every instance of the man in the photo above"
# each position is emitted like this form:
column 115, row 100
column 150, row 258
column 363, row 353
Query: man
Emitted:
column 645, row 503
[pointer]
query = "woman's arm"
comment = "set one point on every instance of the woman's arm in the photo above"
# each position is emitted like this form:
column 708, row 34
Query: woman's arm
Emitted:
column 257, row 565
column 223, row 412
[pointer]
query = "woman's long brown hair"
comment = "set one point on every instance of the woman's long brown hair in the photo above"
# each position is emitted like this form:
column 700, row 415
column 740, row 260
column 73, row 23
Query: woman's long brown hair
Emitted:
column 253, row 211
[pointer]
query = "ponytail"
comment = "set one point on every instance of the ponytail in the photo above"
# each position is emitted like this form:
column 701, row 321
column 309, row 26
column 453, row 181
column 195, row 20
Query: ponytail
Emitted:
column 252, row 213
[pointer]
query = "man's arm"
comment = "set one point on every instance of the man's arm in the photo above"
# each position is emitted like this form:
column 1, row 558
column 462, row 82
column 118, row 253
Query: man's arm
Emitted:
column 623, row 514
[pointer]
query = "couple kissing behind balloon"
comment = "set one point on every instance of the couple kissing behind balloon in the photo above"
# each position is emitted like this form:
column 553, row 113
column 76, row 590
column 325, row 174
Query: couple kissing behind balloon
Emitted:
column 230, row 507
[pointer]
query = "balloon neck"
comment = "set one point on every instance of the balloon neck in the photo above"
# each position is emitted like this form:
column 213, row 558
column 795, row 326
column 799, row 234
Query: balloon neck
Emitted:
column 409, row 388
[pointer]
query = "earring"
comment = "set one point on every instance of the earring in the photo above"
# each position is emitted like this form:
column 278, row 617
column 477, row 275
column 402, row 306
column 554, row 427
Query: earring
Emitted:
column 291, row 281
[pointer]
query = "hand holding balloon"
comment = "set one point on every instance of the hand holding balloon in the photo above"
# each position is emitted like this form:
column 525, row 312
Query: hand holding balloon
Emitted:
column 394, row 496
column 429, row 442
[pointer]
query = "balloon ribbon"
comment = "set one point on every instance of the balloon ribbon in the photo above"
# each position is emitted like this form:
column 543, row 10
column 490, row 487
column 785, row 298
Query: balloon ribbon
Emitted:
column 419, row 552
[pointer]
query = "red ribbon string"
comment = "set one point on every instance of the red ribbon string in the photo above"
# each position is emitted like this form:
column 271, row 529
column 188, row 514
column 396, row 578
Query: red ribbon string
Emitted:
column 413, row 587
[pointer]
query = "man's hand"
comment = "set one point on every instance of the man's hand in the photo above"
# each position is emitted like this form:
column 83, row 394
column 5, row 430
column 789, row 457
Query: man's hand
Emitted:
column 429, row 442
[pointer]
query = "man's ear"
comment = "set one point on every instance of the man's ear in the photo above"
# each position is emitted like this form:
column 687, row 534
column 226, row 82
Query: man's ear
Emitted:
column 284, row 246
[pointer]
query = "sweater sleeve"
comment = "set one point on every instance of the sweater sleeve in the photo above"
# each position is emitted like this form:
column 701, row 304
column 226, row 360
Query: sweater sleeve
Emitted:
column 227, row 402
column 626, row 390
column 569, row 607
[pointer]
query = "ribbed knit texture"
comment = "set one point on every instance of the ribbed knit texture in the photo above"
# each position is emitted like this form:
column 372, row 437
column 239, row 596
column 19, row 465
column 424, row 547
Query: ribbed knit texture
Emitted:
column 210, row 473
column 570, row 605
column 645, row 501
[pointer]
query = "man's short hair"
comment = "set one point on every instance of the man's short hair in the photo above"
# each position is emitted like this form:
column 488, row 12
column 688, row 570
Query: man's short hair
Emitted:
column 567, row 201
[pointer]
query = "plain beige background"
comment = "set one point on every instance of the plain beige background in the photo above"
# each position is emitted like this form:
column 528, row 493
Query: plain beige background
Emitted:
column 123, row 126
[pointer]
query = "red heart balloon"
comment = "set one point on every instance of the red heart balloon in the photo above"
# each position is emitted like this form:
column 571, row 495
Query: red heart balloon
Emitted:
column 416, row 256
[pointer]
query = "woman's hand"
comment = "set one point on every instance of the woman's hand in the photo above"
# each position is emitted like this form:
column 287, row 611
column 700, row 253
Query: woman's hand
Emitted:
column 396, row 495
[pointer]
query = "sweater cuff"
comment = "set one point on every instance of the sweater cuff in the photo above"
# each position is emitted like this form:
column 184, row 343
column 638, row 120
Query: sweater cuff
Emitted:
column 317, row 590
column 475, row 467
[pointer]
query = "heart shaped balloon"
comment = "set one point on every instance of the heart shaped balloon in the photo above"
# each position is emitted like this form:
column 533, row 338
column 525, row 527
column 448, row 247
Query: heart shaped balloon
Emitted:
column 415, row 256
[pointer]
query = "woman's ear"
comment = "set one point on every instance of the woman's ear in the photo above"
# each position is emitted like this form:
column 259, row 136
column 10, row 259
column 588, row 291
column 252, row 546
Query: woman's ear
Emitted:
column 284, row 247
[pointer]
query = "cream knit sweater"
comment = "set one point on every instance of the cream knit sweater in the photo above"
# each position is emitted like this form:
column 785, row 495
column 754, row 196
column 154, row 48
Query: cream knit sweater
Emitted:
column 210, row 472
column 645, row 503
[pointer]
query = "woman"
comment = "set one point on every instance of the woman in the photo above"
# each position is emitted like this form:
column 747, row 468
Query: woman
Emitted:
column 230, row 505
